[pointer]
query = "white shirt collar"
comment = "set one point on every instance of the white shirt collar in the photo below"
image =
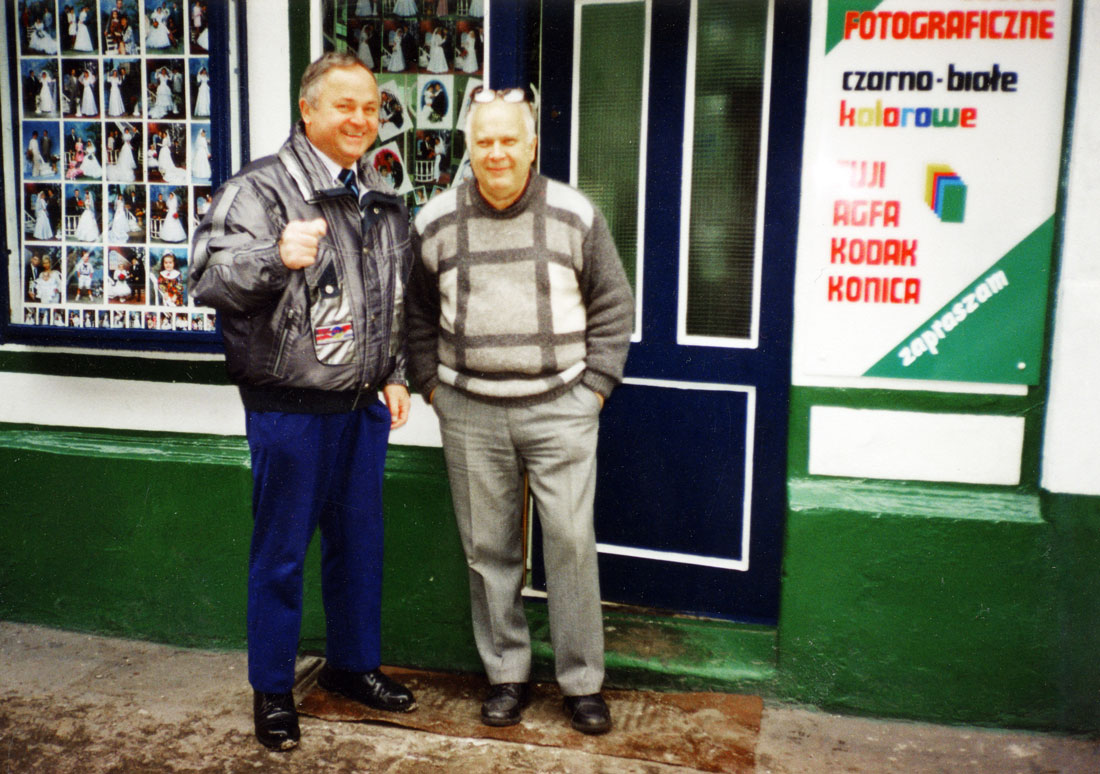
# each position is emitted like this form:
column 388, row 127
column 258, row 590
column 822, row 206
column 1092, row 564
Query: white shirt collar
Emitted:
column 331, row 166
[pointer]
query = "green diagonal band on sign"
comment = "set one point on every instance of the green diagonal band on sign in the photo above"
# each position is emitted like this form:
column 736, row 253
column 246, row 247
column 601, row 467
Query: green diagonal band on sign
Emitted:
column 834, row 28
column 990, row 332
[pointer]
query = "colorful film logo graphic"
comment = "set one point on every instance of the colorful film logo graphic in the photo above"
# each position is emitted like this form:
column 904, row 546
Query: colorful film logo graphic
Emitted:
column 945, row 193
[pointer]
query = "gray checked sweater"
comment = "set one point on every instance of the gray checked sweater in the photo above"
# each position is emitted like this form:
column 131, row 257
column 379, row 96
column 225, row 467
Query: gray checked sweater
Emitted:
column 516, row 305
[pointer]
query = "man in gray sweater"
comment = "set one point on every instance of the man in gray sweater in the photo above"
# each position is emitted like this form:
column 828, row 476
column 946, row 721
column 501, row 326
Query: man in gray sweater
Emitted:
column 519, row 316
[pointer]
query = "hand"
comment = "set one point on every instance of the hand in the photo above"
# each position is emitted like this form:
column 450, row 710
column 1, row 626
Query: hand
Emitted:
column 601, row 397
column 298, row 244
column 398, row 401
column 431, row 395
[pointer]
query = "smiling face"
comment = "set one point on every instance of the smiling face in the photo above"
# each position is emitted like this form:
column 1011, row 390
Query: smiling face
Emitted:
column 502, row 151
column 344, row 121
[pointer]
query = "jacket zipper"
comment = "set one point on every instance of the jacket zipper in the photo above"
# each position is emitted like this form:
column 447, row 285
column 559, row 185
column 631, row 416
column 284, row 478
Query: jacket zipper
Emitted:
column 291, row 320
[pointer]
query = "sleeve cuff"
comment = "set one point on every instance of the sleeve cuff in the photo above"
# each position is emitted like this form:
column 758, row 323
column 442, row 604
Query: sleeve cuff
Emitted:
column 598, row 382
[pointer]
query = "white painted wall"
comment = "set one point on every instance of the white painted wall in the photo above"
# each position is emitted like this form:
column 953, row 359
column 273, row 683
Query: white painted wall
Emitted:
column 268, row 76
column 1071, row 445
column 915, row 445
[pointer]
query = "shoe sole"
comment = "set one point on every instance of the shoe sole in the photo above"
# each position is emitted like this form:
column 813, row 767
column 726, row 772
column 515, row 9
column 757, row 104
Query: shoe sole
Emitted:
column 591, row 730
column 283, row 746
column 500, row 722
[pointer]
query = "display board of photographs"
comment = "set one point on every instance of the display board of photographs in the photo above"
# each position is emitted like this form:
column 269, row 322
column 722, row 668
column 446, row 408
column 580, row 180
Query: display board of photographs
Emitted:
column 113, row 118
column 427, row 56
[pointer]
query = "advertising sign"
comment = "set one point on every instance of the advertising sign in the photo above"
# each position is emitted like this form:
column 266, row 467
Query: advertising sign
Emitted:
column 933, row 139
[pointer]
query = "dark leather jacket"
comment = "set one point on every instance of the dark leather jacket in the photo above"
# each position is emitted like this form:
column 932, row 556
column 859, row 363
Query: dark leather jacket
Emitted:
column 319, row 339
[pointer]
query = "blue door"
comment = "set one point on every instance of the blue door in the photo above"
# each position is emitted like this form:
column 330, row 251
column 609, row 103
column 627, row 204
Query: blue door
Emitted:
column 683, row 121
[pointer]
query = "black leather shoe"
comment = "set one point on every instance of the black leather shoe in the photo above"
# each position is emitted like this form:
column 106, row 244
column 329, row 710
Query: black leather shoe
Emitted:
column 505, row 703
column 372, row 688
column 276, row 720
column 588, row 714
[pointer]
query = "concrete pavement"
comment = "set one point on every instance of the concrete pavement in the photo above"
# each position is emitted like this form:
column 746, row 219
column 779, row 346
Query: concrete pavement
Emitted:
column 77, row 703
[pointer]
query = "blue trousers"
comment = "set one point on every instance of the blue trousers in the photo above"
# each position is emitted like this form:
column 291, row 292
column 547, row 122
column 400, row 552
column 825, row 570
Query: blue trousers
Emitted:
column 310, row 471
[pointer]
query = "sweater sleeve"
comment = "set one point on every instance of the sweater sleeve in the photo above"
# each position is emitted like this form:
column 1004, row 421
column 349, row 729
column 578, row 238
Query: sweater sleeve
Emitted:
column 609, row 305
column 422, row 315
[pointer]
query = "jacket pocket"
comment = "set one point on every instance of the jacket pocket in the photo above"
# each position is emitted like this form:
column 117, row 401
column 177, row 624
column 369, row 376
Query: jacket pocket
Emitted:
column 331, row 319
column 285, row 331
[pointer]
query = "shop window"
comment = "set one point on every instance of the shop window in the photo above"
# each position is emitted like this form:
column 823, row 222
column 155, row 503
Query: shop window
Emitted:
column 117, row 137
column 427, row 56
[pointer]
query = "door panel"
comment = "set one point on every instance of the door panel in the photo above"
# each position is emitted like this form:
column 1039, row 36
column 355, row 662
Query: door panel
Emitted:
column 692, row 457
column 642, row 471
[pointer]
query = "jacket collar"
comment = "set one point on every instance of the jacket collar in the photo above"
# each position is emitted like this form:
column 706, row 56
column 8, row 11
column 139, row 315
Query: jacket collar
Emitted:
column 313, row 180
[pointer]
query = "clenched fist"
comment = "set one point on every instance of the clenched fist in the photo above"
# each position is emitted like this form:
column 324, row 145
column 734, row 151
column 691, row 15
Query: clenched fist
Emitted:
column 298, row 244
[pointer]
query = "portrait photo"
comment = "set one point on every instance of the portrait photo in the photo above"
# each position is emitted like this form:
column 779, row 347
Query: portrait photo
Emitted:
column 365, row 41
column 168, row 208
column 82, row 150
column 82, row 213
column 84, row 278
column 390, row 164
column 125, row 150
column 38, row 80
column 122, row 87
column 168, row 276
column 432, row 156
column 200, row 87
column 80, row 88
column 167, row 153
column 125, row 213
column 469, row 47
column 436, row 47
column 199, row 31
column 359, row 9
column 37, row 27
column 120, row 22
column 126, row 275
column 37, row 260
column 163, row 27
column 400, row 47
column 40, row 150
column 81, row 23
column 42, row 212
column 393, row 118
column 164, row 88
column 435, row 106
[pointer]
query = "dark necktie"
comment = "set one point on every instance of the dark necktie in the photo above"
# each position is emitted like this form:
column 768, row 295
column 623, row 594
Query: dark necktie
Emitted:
column 347, row 177
column 367, row 214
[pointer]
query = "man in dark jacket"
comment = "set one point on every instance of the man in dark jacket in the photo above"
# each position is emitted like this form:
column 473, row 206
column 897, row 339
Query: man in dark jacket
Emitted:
column 305, row 254
column 45, row 146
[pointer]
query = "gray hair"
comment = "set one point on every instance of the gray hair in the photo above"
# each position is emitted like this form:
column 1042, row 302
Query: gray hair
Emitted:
column 528, row 117
column 311, row 79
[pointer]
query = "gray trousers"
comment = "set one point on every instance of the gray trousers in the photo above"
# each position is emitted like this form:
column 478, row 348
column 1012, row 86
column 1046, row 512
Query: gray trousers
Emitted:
column 488, row 448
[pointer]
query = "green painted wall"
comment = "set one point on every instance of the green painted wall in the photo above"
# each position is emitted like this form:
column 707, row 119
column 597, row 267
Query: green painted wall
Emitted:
column 920, row 601
column 945, row 602
column 146, row 535
column 1075, row 522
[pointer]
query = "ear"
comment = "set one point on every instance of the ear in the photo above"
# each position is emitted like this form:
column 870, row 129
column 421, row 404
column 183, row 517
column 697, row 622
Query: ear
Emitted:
column 304, row 110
